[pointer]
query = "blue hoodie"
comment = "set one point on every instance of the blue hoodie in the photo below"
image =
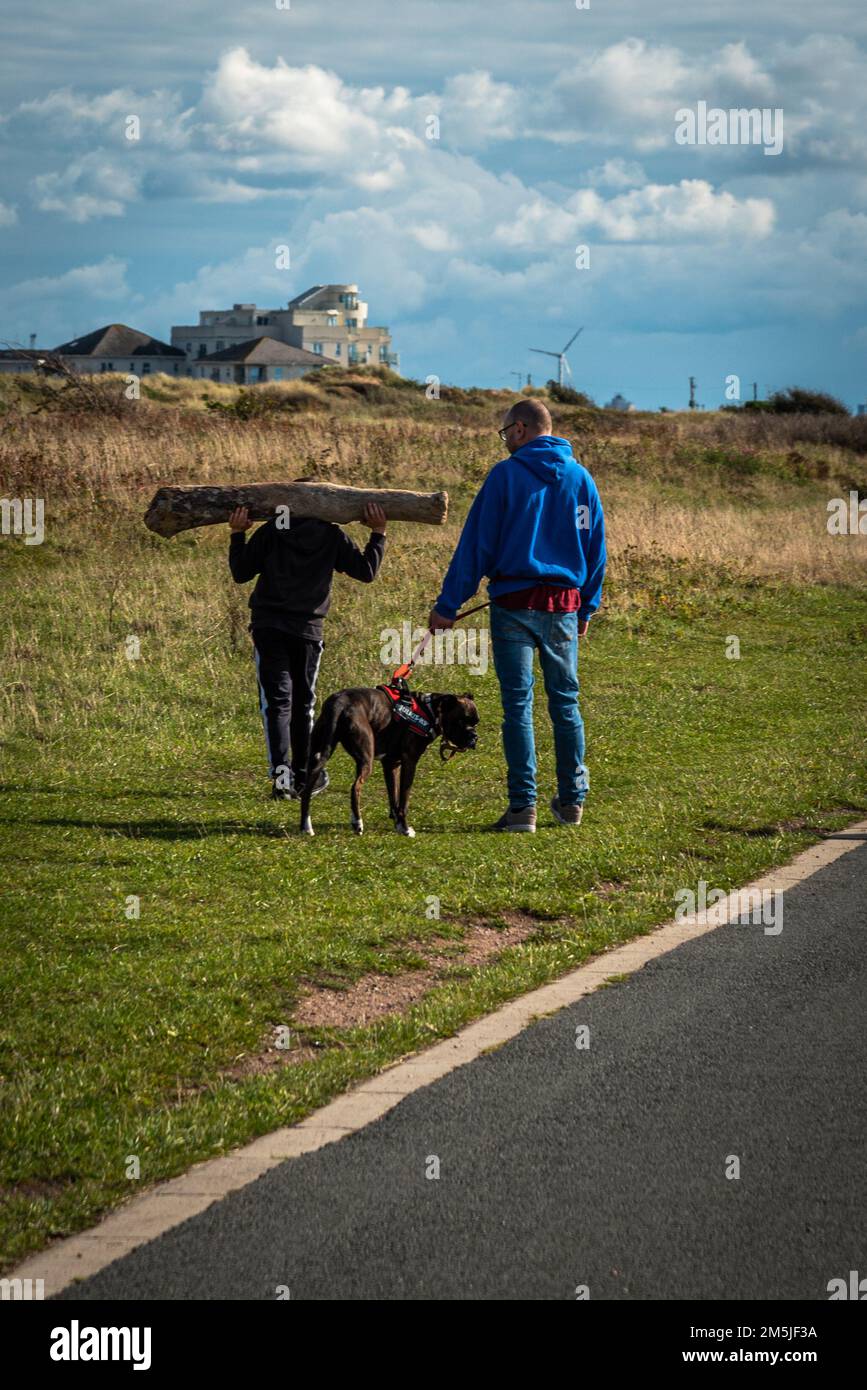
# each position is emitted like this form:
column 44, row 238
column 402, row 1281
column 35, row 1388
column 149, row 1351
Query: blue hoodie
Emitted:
column 537, row 518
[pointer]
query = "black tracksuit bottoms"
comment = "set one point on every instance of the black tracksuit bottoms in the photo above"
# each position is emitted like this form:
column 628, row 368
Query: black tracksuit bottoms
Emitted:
column 287, row 667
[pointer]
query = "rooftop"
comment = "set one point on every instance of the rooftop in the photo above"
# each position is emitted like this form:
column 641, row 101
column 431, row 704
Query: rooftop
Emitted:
column 117, row 340
column 314, row 290
column 267, row 352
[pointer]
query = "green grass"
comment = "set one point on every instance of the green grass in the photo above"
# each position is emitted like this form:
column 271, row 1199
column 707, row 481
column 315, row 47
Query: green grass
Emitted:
column 146, row 778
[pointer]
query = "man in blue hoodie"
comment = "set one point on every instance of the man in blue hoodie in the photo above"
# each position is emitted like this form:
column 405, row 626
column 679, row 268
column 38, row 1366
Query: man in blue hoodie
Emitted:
column 536, row 530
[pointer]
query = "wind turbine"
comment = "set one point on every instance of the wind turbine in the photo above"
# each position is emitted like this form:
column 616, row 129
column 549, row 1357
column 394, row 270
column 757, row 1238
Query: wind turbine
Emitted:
column 562, row 360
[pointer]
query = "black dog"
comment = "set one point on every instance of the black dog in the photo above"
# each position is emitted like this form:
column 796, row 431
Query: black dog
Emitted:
column 394, row 726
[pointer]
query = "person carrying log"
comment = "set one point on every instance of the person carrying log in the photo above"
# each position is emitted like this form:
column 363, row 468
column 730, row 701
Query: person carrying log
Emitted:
column 296, row 564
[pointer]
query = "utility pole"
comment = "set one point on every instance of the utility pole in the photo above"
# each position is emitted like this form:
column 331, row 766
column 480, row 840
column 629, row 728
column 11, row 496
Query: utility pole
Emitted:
column 755, row 391
column 692, row 404
column 520, row 376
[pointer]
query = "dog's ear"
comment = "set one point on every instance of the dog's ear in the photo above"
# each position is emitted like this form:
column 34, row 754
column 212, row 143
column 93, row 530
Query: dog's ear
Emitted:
column 467, row 695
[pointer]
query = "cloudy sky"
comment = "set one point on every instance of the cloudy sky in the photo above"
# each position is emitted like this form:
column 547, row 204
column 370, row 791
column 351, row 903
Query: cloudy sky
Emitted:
column 310, row 126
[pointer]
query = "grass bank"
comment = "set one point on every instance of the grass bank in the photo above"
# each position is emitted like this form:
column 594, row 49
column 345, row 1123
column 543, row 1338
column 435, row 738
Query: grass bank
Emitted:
column 142, row 780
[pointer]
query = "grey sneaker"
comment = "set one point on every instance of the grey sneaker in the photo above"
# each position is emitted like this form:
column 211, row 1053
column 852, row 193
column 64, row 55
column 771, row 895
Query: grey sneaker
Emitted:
column 282, row 783
column 322, row 781
column 566, row 815
column 522, row 822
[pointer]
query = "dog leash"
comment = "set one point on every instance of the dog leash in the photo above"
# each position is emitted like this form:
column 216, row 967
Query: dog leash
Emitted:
column 467, row 611
column 403, row 671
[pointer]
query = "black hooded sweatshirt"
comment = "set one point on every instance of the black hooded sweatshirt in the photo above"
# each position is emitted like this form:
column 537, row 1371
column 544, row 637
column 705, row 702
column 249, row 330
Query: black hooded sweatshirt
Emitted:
column 296, row 565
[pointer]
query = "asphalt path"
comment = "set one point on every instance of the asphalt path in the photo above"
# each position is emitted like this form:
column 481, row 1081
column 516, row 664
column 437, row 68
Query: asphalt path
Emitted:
column 609, row 1167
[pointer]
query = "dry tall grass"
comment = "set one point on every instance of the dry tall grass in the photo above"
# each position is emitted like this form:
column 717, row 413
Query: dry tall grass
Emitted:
column 689, row 503
column 747, row 491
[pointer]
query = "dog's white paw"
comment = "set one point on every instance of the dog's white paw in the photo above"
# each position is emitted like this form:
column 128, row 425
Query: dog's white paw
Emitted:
column 357, row 825
column 307, row 827
column 403, row 829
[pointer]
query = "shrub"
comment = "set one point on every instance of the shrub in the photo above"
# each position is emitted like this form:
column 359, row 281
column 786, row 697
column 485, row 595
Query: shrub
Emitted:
column 256, row 402
column 567, row 395
column 795, row 400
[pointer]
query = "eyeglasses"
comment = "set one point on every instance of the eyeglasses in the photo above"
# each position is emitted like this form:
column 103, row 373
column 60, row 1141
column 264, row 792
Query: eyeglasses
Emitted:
column 505, row 430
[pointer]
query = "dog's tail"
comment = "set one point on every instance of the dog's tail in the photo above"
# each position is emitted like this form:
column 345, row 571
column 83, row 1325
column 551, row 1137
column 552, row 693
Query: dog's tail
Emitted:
column 323, row 741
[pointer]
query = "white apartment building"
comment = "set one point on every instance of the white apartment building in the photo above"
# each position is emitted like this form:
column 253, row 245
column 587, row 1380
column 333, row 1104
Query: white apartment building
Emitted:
column 327, row 320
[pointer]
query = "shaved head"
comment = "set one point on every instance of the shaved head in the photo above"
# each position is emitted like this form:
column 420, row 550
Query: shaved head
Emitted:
column 532, row 413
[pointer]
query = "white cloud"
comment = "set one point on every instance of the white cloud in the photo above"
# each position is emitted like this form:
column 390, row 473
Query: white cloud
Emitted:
column 8, row 215
column 615, row 173
column 623, row 93
column 476, row 110
column 250, row 277
column 627, row 94
column 93, row 186
column 307, row 113
column 56, row 307
column 840, row 233
column 740, row 77
column 687, row 211
column 433, row 236
column 211, row 190
column 380, row 180
column 537, row 223
column 106, row 279
column 162, row 120
column 396, row 283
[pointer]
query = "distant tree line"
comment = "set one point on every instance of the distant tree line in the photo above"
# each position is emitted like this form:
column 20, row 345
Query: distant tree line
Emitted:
column 796, row 400
column 793, row 400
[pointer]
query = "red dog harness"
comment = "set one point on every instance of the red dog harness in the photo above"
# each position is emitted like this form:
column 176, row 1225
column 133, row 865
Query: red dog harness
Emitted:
column 408, row 709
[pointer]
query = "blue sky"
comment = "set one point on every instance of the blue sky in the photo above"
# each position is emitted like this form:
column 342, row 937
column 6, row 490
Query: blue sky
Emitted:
column 308, row 127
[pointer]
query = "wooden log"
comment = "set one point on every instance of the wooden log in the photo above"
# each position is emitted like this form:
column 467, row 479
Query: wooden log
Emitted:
column 175, row 509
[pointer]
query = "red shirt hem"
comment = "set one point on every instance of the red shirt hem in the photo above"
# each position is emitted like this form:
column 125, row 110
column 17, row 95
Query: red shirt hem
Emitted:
column 542, row 598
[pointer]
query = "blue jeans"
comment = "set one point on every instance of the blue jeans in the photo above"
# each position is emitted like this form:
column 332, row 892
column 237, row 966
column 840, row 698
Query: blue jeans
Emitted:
column 515, row 635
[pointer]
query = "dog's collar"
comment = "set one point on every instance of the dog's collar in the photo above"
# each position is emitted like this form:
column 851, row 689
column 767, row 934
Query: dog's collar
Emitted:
column 447, row 748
